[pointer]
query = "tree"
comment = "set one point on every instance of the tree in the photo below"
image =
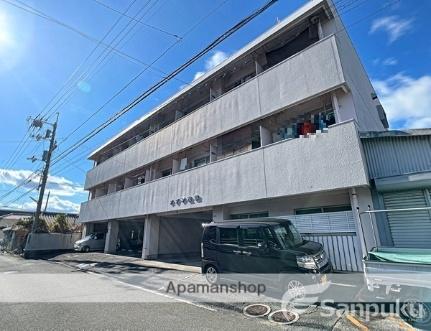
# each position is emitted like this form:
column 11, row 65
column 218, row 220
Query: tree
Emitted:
column 61, row 225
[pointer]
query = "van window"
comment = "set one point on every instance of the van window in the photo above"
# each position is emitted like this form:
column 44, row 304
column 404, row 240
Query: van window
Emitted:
column 251, row 236
column 209, row 234
column 229, row 236
column 269, row 236
column 287, row 235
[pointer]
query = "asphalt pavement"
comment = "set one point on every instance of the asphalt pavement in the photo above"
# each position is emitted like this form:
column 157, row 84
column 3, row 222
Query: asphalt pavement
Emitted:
column 78, row 291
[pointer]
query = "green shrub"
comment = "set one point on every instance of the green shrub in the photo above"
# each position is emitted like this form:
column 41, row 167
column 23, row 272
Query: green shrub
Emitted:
column 60, row 224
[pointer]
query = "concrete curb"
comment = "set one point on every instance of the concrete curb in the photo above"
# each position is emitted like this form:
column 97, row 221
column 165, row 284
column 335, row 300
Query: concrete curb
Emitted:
column 166, row 265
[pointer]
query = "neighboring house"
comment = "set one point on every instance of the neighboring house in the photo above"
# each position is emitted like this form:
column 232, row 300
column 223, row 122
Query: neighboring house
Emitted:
column 272, row 131
column 14, row 236
column 399, row 166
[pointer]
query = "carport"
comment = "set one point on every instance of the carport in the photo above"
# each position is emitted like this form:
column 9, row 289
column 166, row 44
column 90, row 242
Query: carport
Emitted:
column 180, row 236
column 130, row 237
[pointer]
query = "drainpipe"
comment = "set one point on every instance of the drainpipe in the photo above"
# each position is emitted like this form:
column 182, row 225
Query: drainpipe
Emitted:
column 359, row 227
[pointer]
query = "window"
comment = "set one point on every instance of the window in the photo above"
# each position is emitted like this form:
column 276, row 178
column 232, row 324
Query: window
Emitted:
column 317, row 210
column 229, row 236
column 308, row 211
column 141, row 179
column 201, row 161
column 166, row 172
column 252, row 236
column 269, row 236
column 209, row 234
column 249, row 215
column 287, row 235
column 332, row 209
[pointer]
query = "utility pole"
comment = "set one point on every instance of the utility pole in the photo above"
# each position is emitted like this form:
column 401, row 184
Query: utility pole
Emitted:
column 47, row 159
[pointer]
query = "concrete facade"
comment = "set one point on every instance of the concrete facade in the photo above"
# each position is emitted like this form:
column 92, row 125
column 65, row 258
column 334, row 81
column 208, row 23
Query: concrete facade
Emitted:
column 222, row 154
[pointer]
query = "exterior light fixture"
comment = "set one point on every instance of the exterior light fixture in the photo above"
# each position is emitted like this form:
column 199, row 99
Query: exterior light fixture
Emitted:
column 178, row 202
column 198, row 198
column 172, row 203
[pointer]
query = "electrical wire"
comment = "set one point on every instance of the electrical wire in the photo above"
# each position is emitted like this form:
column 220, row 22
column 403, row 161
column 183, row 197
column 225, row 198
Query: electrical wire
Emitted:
column 87, row 72
column 141, row 73
column 100, row 3
column 346, row 3
column 163, row 81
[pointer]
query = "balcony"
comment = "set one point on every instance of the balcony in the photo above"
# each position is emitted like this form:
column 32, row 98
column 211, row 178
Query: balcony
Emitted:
column 323, row 162
column 313, row 71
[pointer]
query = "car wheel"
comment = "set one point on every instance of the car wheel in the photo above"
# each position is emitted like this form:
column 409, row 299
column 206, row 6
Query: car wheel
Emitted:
column 211, row 274
column 295, row 289
column 86, row 249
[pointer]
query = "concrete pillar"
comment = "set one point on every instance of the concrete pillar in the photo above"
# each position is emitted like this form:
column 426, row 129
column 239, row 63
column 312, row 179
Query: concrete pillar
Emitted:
column 265, row 136
column 336, row 107
column 220, row 213
column 112, row 187
column 175, row 166
column 99, row 192
column 259, row 68
column 367, row 230
column 216, row 89
column 150, row 248
column 112, row 237
column 213, row 151
column 128, row 182
column 87, row 228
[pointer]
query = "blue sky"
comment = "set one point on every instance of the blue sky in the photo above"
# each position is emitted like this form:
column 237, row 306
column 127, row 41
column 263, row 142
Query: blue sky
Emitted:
column 37, row 56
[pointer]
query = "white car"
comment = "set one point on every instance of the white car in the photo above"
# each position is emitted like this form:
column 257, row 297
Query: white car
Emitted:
column 92, row 242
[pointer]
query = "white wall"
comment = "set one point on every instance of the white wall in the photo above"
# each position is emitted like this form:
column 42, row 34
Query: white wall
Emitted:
column 309, row 73
column 327, row 162
column 286, row 205
column 51, row 241
column 356, row 77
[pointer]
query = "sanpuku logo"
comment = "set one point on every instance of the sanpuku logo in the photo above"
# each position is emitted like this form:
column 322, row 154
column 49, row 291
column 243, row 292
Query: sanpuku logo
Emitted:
column 186, row 200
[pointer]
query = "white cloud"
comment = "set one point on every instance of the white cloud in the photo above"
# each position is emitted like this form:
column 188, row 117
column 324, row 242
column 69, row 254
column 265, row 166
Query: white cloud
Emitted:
column 198, row 75
column 55, row 204
column 394, row 26
column 59, row 188
column 215, row 59
column 406, row 100
column 57, row 185
column 390, row 61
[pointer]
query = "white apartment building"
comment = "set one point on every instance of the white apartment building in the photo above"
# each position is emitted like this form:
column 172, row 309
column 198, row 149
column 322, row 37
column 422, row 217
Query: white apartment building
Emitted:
column 271, row 131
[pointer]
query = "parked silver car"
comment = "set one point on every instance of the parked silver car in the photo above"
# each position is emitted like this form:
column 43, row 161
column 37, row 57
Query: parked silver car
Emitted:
column 92, row 242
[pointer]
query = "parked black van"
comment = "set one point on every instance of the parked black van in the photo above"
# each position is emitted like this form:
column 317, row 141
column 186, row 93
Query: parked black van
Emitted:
column 260, row 246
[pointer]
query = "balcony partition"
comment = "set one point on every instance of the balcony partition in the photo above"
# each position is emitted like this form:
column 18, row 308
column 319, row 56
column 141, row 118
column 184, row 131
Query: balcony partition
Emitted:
column 309, row 73
column 323, row 162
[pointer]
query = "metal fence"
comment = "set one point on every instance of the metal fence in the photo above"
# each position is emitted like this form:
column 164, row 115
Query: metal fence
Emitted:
column 336, row 231
column 343, row 249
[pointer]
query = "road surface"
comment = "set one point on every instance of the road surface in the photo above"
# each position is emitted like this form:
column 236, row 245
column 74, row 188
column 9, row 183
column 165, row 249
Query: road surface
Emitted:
column 36, row 294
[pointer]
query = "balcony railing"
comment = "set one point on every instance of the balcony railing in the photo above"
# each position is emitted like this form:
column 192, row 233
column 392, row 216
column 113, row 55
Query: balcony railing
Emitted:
column 311, row 72
column 325, row 162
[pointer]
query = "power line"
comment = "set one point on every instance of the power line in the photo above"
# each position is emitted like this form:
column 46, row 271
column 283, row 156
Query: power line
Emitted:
column 86, row 73
column 98, row 110
column 22, row 146
column 39, row 13
column 162, row 82
column 27, row 135
column 142, row 72
column 137, row 20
